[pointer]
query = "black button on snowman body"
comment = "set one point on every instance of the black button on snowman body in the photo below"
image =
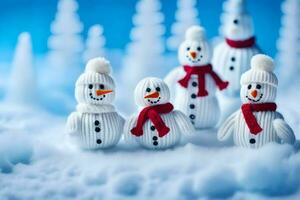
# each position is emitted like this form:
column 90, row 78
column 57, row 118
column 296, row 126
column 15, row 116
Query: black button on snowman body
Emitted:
column 154, row 138
column 97, row 130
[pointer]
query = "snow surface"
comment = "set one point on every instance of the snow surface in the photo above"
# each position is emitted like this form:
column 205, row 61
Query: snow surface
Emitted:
column 37, row 162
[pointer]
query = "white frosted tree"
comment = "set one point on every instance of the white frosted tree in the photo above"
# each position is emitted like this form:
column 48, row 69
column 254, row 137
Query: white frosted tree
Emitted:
column 22, row 80
column 144, row 54
column 288, row 45
column 94, row 43
column 65, row 43
column 186, row 15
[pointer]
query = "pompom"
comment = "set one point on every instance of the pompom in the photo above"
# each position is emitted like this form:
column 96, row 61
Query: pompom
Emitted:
column 195, row 33
column 98, row 65
column 262, row 62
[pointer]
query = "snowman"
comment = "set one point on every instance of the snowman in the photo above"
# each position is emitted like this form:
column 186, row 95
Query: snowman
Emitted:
column 95, row 124
column 157, row 126
column 257, row 122
column 232, row 57
column 194, row 83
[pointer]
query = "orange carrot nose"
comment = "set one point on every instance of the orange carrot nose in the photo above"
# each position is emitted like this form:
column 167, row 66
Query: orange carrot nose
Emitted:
column 102, row 92
column 193, row 54
column 152, row 95
column 254, row 93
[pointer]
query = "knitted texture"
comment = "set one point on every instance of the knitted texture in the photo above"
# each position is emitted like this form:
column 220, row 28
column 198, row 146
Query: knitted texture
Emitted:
column 163, row 128
column 95, row 124
column 231, row 63
column 195, row 95
column 239, row 44
column 248, row 109
column 257, row 122
column 201, row 71
column 257, row 74
column 153, row 113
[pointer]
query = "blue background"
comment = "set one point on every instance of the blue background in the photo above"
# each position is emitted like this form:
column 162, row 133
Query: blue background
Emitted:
column 35, row 17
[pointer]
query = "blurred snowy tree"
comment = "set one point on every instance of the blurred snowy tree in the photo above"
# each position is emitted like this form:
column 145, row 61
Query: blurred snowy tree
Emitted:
column 65, row 43
column 94, row 43
column 288, row 44
column 144, row 54
column 186, row 16
column 22, row 82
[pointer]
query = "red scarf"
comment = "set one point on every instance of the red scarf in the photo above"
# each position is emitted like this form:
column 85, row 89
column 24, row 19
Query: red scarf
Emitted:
column 201, row 71
column 240, row 43
column 152, row 113
column 248, row 109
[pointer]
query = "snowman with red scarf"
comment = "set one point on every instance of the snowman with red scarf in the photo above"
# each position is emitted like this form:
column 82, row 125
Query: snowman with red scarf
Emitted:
column 194, row 83
column 231, row 57
column 257, row 122
column 158, row 125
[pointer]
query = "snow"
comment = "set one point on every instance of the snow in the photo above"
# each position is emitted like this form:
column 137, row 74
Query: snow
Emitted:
column 288, row 42
column 40, row 163
column 22, row 81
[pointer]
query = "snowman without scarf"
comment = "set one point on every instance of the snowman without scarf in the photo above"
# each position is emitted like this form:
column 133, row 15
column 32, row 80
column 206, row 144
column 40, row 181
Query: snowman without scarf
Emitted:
column 157, row 126
column 194, row 83
column 231, row 58
column 95, row 124
column 257, row 122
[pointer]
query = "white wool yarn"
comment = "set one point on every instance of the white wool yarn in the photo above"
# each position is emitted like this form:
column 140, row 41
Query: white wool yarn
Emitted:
column 95, row 124
column 178, row 123
column 261, row 71
column 98, row 65
column 262, row 62
column 196, row 33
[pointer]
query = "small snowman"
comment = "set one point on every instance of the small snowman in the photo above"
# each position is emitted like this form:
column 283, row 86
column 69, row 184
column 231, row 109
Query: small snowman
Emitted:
column 194, row 83
column 232, row 57
column 95, row 124
column 257, row 122
column 157, row 126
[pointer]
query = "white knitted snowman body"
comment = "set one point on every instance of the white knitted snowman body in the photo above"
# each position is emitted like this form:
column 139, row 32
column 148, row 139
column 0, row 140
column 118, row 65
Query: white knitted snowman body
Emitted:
column 203, row 111
column 176, row 121
column 258, row 92
column 232, row 57
column 95, row 124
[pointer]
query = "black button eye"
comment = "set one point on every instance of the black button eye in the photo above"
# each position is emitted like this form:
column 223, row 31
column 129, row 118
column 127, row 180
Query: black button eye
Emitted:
column 249, row 86
column 148, row 90
column 258, row 86
column 188, row 48
column 198, row 48
column 232, row 59
column 235, row 21
column 90, row 86
column 157, row 89
column 101, row 86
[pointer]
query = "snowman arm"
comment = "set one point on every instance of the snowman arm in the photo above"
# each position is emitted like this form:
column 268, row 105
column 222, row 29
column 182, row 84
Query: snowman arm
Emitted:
column 129, row 124
column 227, row 128
column 184, row 123
column 284, row 131
column 73, row 123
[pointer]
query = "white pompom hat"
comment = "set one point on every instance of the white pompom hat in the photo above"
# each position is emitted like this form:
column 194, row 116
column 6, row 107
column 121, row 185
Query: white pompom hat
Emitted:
column 96, row 71
column 195, row 33
column 262, row 67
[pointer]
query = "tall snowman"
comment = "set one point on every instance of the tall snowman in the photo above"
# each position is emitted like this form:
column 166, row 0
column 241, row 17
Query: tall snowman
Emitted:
column 194, row 83
column 232, row 57
column 157, row 126
column 95, row 124
column 257, row 122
